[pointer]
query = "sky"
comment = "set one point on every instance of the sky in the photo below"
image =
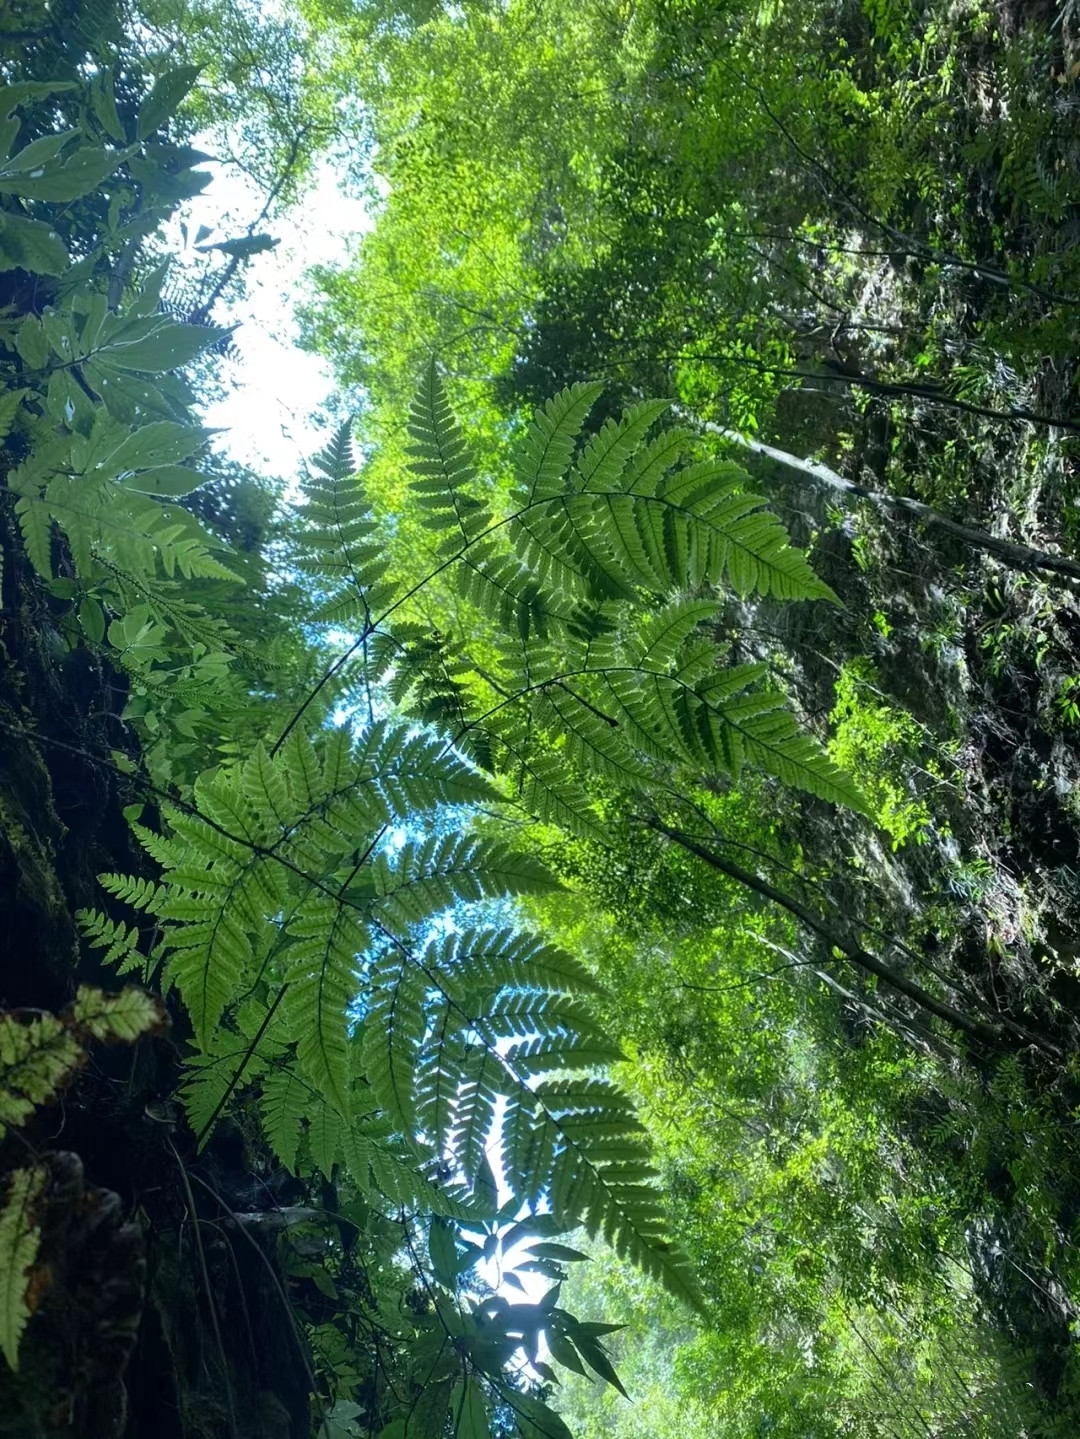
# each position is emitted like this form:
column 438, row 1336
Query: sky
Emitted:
column 274, row 390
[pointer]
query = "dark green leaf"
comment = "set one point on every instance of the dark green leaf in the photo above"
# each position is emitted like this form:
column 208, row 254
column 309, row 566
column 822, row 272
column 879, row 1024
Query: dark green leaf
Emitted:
column 12, row 95
column 442, row 1250
column 31, row 343
column 469, row 1409
column 153, row 446
column 30, row 245
column 77, row 176
column 593, row 1354
column 103, row 104
column 536, row 1420
column 169, row 346
column 558, row 1251
column 170, row 481
column 92, row 619
column 565, row 1353
column 38, row 152
column 165, row 98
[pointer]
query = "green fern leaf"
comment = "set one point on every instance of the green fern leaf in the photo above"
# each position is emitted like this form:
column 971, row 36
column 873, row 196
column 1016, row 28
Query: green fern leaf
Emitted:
column 339, row 545
column 328, row 1134
column 424, row 879
column 657, row 642
column 37, row 1055
column 481, row 963
column 602, row 1177
column 605, row 456
column 415, row 772
column 208, row 958
column 122, row 1017
column 545, row 789
column 544, row 459
column 209, row 1080
column 119, row 941
column 36, row 525
column 20, row 1240
column 473, row 1124
column 394, row 1029
column 439, row 459
column 327, row 941
column 285, row 1102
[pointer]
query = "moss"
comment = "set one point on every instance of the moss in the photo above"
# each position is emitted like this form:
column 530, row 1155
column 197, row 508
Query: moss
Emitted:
column 38, row 919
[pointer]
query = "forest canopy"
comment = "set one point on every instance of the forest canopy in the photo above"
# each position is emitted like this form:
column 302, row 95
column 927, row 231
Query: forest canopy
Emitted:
column 562, row 918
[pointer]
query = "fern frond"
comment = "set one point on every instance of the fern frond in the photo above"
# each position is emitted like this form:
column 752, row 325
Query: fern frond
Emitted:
column 132, row 531
column 441, row 1065
column 285, row 1102
column 208, row 956
column 394, row 1029
column 592, row 738
column 602, row 1177
column 604, row 458
column 655, row 644
column 37, row 1055
column 544, row 459
column 651, row 462
column 542, row 786
column 473, row 1123
column 328, row 1135
column 485, row 962
column 35, row 522
column 141, row 894
column 414, row 773
column 394, row 1173
column 424, row 879
column 761, row 729
column 501, row 585
column 119, row 941
column 439, row 458
column 20, row 1240
column 122, row 1017
column 327, row 941
column 568, row 552
column 339, row 544
column 209, row 1079
column 563, row 1050
column 623, row 518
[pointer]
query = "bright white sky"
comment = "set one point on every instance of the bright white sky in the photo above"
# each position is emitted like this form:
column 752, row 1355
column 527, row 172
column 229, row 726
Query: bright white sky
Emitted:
column 275, row 390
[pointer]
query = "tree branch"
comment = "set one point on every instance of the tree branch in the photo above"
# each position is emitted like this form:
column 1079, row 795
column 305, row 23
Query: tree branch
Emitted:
column 994, row 1035
column 1016, row 556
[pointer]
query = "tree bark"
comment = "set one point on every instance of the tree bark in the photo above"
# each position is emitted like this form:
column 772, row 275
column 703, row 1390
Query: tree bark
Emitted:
column 1016, row 556
column 995, row 1035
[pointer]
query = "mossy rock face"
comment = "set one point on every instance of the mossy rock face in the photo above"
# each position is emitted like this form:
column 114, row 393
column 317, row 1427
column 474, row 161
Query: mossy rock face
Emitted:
column 38, row 942
column 61, row 800
column 122, row 1341
column 88, row 1286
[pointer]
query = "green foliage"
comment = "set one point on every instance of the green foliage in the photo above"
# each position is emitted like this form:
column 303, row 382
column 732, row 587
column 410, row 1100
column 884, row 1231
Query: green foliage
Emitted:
column 595, row 565
column 40, row 1052
column 879, row 741
column 504, row 638
column 19, row 1241
column 100, row 449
